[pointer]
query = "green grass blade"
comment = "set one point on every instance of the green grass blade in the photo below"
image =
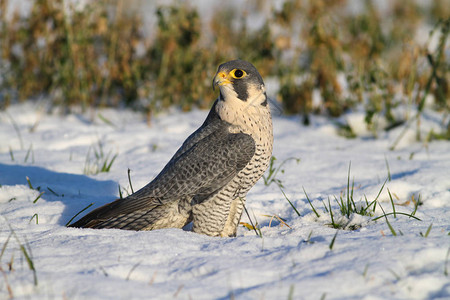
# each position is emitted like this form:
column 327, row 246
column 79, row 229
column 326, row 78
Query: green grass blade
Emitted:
column 397, row 213
column 38, row 197
column 388, row 223
column 30, row 263
column 120, row 192
column 314, row 210
column 416, row 206
column 52, row 191
column 129, row 181
column 37, row 218
column 28, row 154
column 445, row 266
column 250, row 219
column 11, row 153
column 325, row 206
column 5, row 244
column 108, row 167
column 292, row 205
column 333, row 240
column 68, row 223
column 291, row 292
column 29, row 183
column 388, row 170
column 331, row 215
column 392, row 203
column 348, row 190
column 427, row 232
column 379, row 192
column 106, row 120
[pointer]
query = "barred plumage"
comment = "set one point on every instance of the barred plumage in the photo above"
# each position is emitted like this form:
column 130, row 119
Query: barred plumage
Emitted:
column 207, row 179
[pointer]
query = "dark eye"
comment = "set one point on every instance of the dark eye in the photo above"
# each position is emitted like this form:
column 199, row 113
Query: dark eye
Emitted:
column 238, row 73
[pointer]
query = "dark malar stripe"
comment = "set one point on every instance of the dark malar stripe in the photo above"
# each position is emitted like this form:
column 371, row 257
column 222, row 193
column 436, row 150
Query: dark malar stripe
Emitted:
column 241, row 90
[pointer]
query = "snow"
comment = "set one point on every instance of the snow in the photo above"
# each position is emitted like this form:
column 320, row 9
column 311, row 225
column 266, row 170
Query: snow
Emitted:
column 294, row 262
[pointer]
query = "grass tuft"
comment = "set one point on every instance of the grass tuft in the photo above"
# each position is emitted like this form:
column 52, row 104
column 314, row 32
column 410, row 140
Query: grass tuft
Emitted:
column 348, row 207
column 25, row 249
column 101, row 162
column 273, row 171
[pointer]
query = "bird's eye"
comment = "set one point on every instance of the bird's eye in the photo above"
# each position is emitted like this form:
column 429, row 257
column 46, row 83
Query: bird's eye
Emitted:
column 238, row 73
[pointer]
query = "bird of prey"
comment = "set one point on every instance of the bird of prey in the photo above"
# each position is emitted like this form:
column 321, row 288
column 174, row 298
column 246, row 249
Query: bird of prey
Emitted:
column 207, row 179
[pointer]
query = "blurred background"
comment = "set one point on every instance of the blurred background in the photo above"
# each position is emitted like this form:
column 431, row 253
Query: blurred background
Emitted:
column 386, row 58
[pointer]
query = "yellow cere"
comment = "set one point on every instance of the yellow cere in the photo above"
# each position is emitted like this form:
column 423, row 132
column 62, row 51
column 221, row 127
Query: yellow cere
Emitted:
column 223, row 78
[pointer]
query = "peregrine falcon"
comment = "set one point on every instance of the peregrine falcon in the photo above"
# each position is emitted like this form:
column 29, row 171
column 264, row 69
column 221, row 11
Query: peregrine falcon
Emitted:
column 207, row 179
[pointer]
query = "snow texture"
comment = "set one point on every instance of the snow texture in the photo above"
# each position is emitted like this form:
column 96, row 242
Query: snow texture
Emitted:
column 293, row 262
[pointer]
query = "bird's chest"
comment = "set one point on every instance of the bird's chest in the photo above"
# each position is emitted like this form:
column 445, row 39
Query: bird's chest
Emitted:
column 252, row 172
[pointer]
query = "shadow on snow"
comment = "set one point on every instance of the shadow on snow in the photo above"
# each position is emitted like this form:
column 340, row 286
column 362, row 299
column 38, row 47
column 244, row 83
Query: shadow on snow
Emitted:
column 75, row 191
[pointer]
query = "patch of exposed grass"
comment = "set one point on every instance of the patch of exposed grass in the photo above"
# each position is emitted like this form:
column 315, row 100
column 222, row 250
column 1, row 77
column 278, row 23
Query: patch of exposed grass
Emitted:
column 77, row 57
column 348, row 207
column 273, row 171
column 25, row 250
column 100, row 162
column 271, row 177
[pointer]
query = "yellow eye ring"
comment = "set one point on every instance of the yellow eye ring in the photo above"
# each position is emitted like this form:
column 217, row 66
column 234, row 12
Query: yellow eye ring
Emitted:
column 238, row 73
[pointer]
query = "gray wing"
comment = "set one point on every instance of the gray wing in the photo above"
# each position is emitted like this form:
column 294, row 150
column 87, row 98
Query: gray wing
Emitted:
column 199, row 171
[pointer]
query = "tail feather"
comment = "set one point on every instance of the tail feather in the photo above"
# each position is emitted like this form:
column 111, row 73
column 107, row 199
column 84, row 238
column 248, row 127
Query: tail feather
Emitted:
column 111, row 216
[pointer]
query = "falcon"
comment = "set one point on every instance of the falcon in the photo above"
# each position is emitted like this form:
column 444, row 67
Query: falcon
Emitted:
column 207, row 179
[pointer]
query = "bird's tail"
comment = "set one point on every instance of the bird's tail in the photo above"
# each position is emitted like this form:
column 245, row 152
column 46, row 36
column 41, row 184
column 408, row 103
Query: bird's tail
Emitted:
column 148, row 218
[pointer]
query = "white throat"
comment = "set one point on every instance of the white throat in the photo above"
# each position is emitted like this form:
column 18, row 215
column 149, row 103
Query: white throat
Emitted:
column 251, row 116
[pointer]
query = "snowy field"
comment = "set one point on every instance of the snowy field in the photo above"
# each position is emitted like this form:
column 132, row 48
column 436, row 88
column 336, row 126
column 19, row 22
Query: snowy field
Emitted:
column 298, row 261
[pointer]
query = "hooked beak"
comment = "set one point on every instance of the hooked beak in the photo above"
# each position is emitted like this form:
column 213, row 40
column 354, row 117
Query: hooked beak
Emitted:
column 220, row 79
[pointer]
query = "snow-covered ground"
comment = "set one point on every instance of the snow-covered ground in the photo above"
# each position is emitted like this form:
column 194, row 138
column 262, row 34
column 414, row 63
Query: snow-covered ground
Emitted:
column 295, row 262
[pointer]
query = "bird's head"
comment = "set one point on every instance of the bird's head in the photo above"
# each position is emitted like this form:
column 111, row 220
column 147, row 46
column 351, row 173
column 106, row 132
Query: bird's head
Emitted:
column 239, row 80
